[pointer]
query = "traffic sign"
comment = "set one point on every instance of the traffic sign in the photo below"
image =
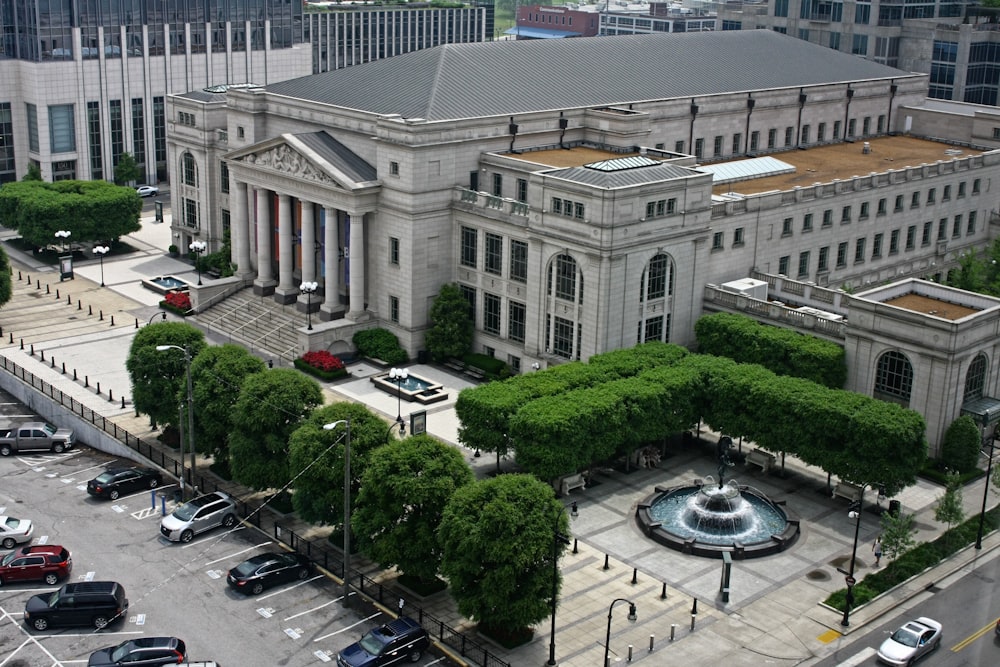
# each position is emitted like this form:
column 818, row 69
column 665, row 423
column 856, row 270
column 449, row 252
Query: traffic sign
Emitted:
column 850, row 580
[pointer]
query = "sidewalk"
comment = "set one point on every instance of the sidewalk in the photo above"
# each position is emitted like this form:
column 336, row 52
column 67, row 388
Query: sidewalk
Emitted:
column 773, row 614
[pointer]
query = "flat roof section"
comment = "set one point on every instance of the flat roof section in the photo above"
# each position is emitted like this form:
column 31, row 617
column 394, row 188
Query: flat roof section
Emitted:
column 843, row 161
column 927, row 305
column 561, row 158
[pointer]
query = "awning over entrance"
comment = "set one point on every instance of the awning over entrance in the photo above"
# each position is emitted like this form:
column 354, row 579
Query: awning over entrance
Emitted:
column 984, row 410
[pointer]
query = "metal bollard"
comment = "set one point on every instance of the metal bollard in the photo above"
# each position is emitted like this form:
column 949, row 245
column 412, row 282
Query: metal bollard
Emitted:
column 98, row 387
column 48, row 288
column 69, row 300
column 38, row 284
column 629, row 653
column 52, row 362
column 32, row 349
column 79, row 304
column 651, row 643
column 575, row 549
column 42, row 353
column 635, row 576
column 693, row 618
column 57, row 293
column 137, row 323
column 86, row 381
column 152, row 497
column 64, row 368
column 74, row 375
column 90, row 310
column 163, row 505
column 606, row 565
column 111, row 397
column 123, row 402
column 663, row 593
column 112, row 320
column 673, row 631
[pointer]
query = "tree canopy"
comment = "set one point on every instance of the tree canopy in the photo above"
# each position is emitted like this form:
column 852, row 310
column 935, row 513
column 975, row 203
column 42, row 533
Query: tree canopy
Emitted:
column 126, row 171
column 91, row 210
column 404, row 490
column 271, row 405
column 6, row 282
column 159, row 377
column 451, row 330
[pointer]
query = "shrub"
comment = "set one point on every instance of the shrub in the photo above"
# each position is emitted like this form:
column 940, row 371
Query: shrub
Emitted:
column 379, row 344
column 176, row 302
column 960, row 448
column 322, row 364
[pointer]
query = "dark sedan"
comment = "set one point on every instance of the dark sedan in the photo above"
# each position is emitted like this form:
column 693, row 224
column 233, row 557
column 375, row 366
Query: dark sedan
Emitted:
column 252, row 576
column 116, row 482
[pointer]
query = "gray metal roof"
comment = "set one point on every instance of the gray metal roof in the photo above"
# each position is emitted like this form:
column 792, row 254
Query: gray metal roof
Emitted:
column 510, row 76
column 623, row 178
column 339, row 156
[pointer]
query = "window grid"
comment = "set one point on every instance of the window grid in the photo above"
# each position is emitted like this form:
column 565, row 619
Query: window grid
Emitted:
column 493, row 261
column 516, row 317
column 491, row 313
column 519, row 261
column 469, row 240
column 894, row 377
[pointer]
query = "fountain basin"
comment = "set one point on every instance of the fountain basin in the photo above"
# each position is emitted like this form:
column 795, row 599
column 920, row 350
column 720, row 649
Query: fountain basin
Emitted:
column 414, row 388
column 164, row 284
column 704, row 521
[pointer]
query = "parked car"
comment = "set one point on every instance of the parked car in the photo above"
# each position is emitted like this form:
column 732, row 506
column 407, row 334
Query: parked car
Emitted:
column 255, row 574
column 395, row 642
column 93, row 603
column 35, row 436
column 196, row 516
column 14, row 531
column 114, row 482
column 911, row 642
column 50, row 563
column 141, row 652
column 147, row 190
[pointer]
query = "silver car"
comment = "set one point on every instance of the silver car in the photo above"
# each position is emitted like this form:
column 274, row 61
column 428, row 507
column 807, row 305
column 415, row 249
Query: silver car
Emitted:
column 198, row 515
column 14, row 531
column 911, row 642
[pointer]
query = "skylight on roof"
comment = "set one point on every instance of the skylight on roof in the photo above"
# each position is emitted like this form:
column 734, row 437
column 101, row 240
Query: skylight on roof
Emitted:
column 622, row 163
column 744, row 170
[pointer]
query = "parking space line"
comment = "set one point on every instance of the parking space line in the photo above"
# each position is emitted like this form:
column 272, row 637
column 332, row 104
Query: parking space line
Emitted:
column 308, row 611
column 349, row 627
column 192, row 543
column 99, row 465
column 258, row 546
column 292, row 587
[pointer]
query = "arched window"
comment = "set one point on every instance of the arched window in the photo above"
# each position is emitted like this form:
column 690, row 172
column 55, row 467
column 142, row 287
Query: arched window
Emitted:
column 657, row 279
column 975, row 378
column 894, row 378
column 656, row 300
column 189, row 171
column 563, row 329
column 563, row 278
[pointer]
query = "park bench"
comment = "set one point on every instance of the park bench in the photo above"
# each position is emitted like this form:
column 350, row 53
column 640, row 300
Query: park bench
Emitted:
column 759, row 457
column 570, row 482
column 848, row 491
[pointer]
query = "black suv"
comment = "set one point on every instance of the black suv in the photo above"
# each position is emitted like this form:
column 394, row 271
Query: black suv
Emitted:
column 92, row 603
column 395, row 642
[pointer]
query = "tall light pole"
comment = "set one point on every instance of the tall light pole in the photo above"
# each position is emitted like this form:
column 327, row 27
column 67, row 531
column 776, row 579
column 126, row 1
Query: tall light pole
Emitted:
column 101, row 251
column 557, row 537
column 399, row 376
column 347, row 505
column 309, row 288
column 198, row 247
column 986, row 488
column 190, row 411
column 631, row 616
column 64, row 235
column 162, row 315
column 854, row 512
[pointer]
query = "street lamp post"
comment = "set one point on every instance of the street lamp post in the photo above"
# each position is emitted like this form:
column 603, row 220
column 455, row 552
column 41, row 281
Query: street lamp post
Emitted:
column 64, row 235
column 198, row 247
column 631, row 616
column 399, row 376
column 101, row 251
column 347, row 505
column 309, row 288
column 986, row 488
column 190, row 411
column 557, row 537
column 853, row 513
column 402, row 430
column 162, row 315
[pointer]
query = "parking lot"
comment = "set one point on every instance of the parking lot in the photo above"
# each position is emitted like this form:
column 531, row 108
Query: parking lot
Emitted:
column 173, row 589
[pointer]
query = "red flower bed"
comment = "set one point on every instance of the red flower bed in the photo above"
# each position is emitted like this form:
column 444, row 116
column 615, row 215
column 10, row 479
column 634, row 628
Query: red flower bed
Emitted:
column 324, row 361
column 178, row 300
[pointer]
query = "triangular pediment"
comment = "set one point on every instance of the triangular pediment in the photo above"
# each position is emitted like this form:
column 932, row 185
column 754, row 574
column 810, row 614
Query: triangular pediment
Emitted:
column 309, row 157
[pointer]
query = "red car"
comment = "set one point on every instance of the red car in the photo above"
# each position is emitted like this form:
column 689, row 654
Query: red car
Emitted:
column 43, row 562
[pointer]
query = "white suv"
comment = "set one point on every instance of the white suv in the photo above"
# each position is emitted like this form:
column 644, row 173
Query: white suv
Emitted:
column 198, row 515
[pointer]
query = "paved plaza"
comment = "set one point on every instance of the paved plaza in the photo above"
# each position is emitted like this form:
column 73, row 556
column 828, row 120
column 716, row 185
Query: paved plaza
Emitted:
column 773, row 614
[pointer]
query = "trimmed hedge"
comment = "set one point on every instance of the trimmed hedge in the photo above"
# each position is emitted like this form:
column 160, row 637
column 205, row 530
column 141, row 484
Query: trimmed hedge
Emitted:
column 379, row 344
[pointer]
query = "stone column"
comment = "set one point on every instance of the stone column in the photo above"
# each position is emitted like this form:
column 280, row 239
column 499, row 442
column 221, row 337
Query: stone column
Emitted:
column 356, row 266
column 287, row 289
column 308, row 242
column 240, row 229
column 331, row 256
column 265, row 275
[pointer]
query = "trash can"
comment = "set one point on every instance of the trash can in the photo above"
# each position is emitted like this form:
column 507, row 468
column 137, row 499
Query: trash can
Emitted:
column 894, row 507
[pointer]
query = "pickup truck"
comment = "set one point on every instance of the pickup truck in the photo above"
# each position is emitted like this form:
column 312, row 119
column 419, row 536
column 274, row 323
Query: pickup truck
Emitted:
column 35, row 436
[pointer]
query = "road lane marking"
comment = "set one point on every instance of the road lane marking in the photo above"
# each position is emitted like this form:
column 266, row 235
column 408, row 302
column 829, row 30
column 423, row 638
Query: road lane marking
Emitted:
column 349, row 627
column 858, row 658
column 309, row 611
column 974, row 636
column 285, row 590
column 219, row 560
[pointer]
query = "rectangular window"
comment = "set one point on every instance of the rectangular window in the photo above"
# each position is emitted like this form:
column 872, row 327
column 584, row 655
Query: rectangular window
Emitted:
column 737, row 237
column 866, row 125
column 653, row 329
column 961, row 189
column 899, row 204
column 863, row 214
column 394, row 250
column 469, row 241
column 971, row 225
column 159, row 132
column 772, row 138
column 842, row 255
column 718, row 238
column 859, row 251
column 491, row 313
column 62, row 131
column 394, row 168
column 557, row 205
column 925, row 237
column 911, row 237
column 783, row 265
column 956, row 227
column 807, row 222
column 894, row 242
column 516, row 316
column 851, row 127
column 805, row 134
column 224, row 176
column 191, row 213
column 562, row 337
column 915, row 200
column 786, row 227
column 94, row 140
column 880, row 124
column 470, row 298
column 493, row 261
column 755, row 141
column 32, row 127
column 946, row 193
column 699, row 148
column 942, row 229
column 821, row 132
column 824, row 258
column 498, row 185
column 717, row 147
column 522, row 190
column 836, row 129
column 931, row 195
column 139, row 136
column 117, row 126
column 877, row 246
column 519, row 261
column 578, row 211
column 845, row 215
column 737, row 143
column 828, row 218
column 975, row 187
column 881, row 207
column 394, row 309
column 804, row 264
column 679, row 146
column 789, row 136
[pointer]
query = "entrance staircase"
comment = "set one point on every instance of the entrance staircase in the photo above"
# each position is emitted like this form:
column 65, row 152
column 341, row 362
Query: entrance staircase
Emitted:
column 264, row 327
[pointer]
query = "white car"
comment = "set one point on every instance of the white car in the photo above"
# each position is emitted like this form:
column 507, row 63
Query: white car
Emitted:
column 198, row 515
column 911, row 642
column 14, row 531
column 147, row 190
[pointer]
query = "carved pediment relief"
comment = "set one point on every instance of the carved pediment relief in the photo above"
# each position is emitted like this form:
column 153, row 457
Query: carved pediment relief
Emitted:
column 287, row 160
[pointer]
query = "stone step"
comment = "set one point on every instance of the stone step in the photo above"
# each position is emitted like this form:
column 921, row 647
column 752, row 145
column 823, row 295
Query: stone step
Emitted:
column 256, row 322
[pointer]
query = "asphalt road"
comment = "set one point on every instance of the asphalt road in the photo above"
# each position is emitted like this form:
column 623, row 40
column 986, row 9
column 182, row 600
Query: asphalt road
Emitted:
column 967, row 607
column 173, row 589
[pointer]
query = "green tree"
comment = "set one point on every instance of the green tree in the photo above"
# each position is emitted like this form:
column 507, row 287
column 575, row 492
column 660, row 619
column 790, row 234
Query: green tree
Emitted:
column 217, row 374
column 451, row 330
column 404, row 491
column 897, row 534
column 6, row 282
column 159, row 377
column 127, row 171
column 91, row 210
column 948, row 509
column 271, row 405
column 960, row 446
column 497, row 539
column 34, row 172
column 316, row 459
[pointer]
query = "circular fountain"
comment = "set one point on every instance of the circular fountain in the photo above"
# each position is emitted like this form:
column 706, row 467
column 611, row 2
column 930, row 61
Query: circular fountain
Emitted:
column 706, row 518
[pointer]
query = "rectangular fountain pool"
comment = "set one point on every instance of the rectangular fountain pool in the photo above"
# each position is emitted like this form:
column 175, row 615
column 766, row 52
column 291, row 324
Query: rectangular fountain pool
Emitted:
column 164, row 284
column 414, row 388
